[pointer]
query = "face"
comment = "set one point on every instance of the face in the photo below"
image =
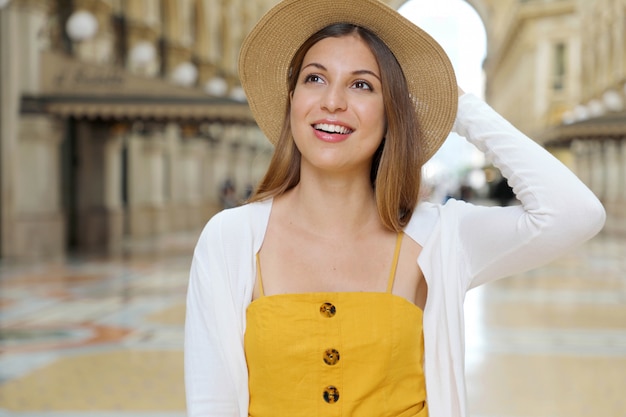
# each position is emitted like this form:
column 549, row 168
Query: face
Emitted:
column 337, row 112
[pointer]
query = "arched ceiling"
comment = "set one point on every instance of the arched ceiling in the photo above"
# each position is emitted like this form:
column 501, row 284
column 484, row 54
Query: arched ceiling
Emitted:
column 483, row 8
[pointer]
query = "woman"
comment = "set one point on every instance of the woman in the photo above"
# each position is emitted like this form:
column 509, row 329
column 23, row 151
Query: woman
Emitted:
column 335, row 291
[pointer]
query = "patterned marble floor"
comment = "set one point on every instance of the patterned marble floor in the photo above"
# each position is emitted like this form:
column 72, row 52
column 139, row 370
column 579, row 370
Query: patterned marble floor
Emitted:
column 103, row 337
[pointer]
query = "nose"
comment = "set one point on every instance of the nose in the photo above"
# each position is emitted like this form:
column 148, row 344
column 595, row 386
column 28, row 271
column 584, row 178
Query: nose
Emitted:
column 334, row 99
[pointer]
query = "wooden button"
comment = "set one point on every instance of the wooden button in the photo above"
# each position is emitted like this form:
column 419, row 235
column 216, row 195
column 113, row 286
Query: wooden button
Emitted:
column 331, row 394
column 327, row 310
column 331, row 357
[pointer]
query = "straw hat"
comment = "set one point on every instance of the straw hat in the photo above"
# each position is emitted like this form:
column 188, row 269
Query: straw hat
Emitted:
column 267, row 51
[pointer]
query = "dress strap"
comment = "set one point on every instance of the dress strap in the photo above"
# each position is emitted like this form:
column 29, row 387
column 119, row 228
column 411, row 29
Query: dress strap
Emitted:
column 394, row 265
column 258, row 274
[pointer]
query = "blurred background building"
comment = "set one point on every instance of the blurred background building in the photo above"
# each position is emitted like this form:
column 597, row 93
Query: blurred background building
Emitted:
column 123, row 120
column 120, row 120
column 557, row 70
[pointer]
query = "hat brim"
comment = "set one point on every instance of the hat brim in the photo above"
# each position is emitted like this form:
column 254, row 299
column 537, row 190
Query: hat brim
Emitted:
column 269, row 48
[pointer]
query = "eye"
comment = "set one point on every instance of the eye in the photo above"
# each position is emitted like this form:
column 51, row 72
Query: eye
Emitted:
column 362, row 85
column 313, row 78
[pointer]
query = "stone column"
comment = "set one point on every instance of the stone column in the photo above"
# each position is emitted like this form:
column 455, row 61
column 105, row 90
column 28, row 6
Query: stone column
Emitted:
column 186, row 153
column 231, row 37
column 173, row 185
column 611, row 168
column 593, row 167
column 222, row 168
column 39, row 224
column 100, row 221
column 112, row 154
column 262, row 155
column 9, row 112
column 193, row 155
column 208, row 180
column 248, row 157
column 31, row 219
column 616, row 207
column 112, row 201
column 621, row 163
column 580, row 150
column 214, row 22
column 147, row 217
column 239, row 159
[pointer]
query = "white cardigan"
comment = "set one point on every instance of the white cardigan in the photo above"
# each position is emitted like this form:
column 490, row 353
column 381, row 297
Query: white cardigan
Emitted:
column 463, row 246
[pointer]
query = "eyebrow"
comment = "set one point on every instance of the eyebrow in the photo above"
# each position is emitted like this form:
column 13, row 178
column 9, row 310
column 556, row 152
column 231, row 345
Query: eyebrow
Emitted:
column 357, row 72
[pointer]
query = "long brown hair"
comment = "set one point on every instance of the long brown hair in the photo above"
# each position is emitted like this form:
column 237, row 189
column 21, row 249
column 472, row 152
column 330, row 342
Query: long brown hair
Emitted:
column 397, row 163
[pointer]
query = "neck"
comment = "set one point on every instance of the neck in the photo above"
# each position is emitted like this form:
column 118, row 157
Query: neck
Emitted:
column 334, row 207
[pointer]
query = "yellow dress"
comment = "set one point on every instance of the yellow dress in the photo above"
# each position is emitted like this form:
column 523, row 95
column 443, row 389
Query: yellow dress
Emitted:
column 335, row 354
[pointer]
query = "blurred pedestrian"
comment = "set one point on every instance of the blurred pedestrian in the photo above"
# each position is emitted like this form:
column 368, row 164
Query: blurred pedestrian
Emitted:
column 502, row 193
column 228, row 194
column 335, row 291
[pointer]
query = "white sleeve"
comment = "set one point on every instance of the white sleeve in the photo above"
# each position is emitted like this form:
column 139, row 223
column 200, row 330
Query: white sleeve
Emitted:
column 557, row 210
column 209, row 385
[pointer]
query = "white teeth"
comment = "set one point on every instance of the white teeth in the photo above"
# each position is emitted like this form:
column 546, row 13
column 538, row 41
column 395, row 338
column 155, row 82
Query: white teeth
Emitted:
column 332, row 128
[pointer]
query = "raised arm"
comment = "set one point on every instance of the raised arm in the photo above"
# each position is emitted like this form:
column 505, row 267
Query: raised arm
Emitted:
column 557, row 211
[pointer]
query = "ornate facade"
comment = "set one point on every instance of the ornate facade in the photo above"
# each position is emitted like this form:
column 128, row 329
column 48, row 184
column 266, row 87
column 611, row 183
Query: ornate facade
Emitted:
column 120, row 120
column 557, row 70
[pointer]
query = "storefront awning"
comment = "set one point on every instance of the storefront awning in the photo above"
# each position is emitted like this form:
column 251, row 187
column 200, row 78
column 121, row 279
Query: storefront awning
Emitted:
column 609, row 126
column 141, row 108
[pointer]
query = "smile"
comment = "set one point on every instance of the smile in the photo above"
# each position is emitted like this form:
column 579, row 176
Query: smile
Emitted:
column 331, row 128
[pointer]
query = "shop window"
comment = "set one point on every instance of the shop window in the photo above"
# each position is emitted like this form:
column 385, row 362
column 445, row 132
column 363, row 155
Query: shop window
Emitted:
column 559, row 67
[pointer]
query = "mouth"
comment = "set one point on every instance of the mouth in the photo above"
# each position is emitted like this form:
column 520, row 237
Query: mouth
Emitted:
column 332, row 128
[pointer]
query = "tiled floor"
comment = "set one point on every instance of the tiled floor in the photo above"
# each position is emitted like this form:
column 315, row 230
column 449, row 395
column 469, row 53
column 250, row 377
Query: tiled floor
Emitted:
column 103, row 338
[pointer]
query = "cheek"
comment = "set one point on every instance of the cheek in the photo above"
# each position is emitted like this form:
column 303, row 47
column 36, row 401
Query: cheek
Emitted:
column 382, row 117
column 298, row 111
column 373, row 107
column 295, row 121
column 375, row 116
